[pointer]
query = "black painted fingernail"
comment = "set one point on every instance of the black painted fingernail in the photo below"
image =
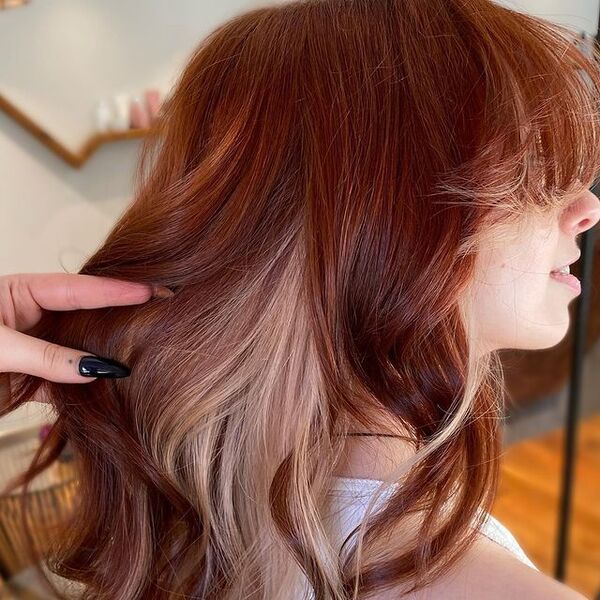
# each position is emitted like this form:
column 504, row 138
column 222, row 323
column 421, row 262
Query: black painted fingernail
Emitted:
column 96, row 366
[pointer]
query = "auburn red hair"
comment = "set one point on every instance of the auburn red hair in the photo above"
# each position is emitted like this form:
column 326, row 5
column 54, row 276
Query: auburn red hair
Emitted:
column 314, row 192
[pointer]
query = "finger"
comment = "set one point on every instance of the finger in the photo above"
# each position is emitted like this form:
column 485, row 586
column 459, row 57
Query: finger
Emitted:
column 23, row 296
column 31, row 355
column 70, row 291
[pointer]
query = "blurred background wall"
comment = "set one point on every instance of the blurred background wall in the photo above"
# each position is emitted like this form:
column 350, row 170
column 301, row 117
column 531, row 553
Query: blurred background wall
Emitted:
column 59, row 57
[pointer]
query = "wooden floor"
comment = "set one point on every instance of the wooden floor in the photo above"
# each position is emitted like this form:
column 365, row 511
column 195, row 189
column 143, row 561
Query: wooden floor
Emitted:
column 528, row 501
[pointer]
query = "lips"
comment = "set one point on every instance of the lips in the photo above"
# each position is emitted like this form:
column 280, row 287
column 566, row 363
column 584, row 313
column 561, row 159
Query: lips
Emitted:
column 565, row 264
column 563, row 275
column 569, row 279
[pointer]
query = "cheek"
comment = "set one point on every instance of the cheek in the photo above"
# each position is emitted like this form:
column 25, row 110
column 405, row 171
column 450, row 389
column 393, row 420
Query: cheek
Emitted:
column 511, row 281
column 521, row 285
column 517, row 307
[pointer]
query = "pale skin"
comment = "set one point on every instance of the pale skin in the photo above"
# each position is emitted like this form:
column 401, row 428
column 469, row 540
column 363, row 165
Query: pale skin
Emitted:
column 518, row 307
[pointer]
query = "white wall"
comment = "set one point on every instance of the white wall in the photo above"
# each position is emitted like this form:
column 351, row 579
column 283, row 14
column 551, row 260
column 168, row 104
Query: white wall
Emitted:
column 579, row 14
column 56, row 59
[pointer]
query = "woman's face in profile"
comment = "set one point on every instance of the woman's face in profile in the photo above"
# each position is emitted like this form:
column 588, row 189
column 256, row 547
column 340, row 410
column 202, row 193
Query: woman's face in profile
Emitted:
column 517, row 302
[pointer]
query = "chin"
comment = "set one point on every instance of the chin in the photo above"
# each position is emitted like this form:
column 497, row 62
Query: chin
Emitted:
column 546, row 339
column 538, row 340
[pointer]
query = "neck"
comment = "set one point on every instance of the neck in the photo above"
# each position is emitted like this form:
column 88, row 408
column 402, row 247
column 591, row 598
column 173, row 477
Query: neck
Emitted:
column 372, row 454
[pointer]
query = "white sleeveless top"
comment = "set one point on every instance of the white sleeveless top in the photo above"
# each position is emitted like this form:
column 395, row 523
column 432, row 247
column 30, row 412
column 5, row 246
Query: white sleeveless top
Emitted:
column 350, row 499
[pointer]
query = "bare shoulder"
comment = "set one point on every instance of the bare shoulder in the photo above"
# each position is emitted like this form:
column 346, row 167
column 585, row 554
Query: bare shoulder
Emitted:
column 489, row 572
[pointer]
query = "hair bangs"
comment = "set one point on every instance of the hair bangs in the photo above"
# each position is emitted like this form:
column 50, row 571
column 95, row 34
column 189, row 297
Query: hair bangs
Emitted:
column 537, row 122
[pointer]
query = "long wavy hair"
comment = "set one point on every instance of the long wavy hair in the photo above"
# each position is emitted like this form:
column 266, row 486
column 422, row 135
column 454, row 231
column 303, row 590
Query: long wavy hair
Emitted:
column 315, row 192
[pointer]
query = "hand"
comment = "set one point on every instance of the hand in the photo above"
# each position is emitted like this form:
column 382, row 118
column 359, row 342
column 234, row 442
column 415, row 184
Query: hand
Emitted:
column 22, row 298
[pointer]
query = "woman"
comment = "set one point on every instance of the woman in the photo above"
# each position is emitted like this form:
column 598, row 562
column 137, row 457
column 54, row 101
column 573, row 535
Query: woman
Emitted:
column 356, row 205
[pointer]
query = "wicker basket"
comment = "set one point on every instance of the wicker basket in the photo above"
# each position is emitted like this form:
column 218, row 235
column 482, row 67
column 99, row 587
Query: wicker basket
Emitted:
column 49, row 501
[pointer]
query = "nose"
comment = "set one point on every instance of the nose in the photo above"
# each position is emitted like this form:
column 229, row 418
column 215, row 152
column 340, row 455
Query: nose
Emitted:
column 582, row 214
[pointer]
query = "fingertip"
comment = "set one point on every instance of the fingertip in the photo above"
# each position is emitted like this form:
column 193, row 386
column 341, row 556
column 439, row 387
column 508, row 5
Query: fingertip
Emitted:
column 86, row 379
column 121, row 292
column 161, row 291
